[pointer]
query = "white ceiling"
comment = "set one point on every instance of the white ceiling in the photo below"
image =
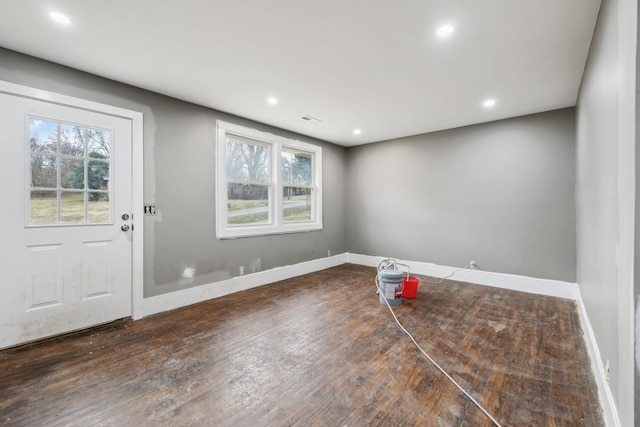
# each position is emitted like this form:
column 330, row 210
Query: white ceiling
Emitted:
column 375, row 65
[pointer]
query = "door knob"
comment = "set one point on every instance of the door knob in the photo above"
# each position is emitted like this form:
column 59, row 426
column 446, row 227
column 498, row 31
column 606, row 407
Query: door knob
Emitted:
column 125, row 227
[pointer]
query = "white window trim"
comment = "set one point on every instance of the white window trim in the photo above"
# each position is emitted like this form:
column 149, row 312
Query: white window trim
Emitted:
column 277, row 226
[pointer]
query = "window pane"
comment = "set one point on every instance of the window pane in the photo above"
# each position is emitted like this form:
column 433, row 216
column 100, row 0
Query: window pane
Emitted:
column 43, row 207
column 99, row 142
column 72, row 173
column 296, row 204
column 247, row 160
column 98, row 208
column 43, row 136
column 72, row 207
column 98, row 172
column 296, row 168
column 43, row 171
column 247, row 204
column 71, row 140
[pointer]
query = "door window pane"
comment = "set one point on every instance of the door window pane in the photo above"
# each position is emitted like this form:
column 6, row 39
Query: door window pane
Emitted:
column 98, row 141
column 43, row 136
column 72, row 173
column 72, row 207
column 98, row 208
column 98, row 174
column 43, row 207
column 44, row 171
column 71, row 140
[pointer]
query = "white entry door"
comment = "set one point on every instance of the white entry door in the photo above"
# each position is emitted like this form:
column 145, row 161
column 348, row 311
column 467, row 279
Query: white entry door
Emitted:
column 65, row 249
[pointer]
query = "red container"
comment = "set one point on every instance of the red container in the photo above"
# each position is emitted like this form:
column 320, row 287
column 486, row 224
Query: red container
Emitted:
column 409, row 287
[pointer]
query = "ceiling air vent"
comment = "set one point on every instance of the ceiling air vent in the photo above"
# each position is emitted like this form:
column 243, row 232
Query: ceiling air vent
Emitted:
column 308, row 118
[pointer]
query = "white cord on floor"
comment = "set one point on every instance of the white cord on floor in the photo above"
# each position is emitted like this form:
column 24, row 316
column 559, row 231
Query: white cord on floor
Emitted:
column 445, row 277
column 429, row 357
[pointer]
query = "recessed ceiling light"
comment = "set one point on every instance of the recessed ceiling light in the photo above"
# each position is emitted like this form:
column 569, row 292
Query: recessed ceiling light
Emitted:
column 488, row 103
column 445, row 31
column 60, row 18
column 357, row 132
column 272, row 100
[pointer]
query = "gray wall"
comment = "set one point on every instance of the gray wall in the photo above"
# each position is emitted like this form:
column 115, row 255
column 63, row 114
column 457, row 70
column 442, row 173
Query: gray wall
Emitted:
column 500, row 193
column 179, row 180
column 605, row 181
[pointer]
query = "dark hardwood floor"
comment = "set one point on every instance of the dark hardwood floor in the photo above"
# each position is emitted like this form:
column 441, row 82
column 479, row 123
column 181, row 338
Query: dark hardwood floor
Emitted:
column 316, row 350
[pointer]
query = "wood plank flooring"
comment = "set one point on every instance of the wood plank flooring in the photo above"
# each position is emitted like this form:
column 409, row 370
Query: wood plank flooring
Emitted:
column 317, row 350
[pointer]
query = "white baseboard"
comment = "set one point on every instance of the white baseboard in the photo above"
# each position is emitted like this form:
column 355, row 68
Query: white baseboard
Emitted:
column 196, row 294
column 609, row 411
column 554, row 288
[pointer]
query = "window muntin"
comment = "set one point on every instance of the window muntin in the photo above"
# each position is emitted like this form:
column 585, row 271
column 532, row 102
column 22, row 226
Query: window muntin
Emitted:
column 69, row 172
column 266, row 184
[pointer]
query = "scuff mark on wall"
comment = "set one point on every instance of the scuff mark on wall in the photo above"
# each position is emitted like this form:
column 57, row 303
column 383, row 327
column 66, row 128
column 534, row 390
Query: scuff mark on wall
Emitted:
column 254, row 266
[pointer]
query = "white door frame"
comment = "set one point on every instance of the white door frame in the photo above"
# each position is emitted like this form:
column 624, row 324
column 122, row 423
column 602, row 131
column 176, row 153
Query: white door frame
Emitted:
column 137, row 198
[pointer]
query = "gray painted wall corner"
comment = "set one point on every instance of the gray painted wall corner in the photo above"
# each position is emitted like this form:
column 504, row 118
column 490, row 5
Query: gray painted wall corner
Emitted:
column 500, row 193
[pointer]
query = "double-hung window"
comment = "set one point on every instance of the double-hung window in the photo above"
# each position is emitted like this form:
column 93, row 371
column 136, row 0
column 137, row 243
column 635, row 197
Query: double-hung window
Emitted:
column 266, row 184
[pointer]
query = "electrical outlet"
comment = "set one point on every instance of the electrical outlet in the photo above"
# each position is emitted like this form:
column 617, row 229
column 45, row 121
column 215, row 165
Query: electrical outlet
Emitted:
column 472, row 264
column 329, row 252
column 242, row 270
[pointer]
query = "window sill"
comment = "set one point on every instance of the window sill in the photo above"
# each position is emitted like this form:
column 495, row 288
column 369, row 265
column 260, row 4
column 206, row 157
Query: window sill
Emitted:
column 240, row 232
